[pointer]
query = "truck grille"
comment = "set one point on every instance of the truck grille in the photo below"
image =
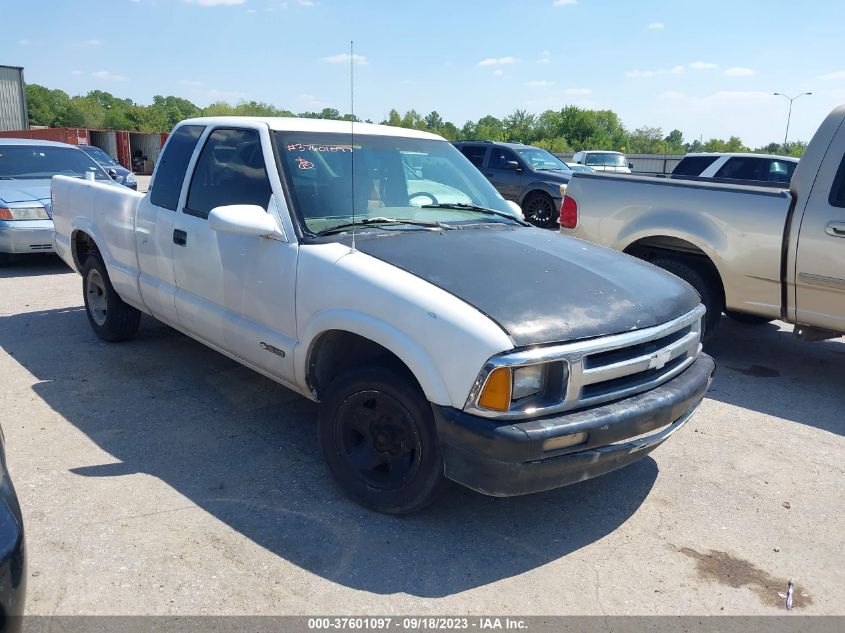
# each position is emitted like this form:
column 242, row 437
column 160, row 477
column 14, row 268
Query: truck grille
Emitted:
column 607, row 368
column 617, row 366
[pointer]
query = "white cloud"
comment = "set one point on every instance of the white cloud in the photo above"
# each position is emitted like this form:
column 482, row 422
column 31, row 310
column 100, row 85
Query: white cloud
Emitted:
column 498, row 72
column 563, row 3
column 495, row 61
column 579, row 92
column 672, row 94
column 76, row 72
column 215, row 3
column 250, row 10
column 649, row 74
column 106, row 75
column 839, row 74
column 545, row 57
column 345, row 58
column 305, row 3
column 740, row 71
column 703, row 66
column 191, row 83
column 540, row 83
column 93, row 42
column 656, row 26
column 23, row 42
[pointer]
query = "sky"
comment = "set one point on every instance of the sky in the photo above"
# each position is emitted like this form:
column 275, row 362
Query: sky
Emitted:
column 706, row 68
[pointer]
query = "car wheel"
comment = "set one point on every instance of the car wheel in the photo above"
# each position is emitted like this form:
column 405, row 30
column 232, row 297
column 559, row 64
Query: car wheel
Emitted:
column 748, row 319
column 539, row 209
column 705, row 285
column 110, row 317
column 378, row 438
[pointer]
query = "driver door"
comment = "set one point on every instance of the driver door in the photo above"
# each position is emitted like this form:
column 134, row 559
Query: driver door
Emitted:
column 503, row 174
column 236, row 292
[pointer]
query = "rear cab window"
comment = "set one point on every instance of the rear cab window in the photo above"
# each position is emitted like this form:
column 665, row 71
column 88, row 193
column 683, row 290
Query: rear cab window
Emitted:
column 170, row 173
column 743, row 168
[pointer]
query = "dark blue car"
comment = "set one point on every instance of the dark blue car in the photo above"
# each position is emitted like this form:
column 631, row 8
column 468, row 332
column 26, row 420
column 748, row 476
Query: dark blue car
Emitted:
column 118, row 172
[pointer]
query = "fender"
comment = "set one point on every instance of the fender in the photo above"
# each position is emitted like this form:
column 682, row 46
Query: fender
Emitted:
column 378, row 331
column 551, row 188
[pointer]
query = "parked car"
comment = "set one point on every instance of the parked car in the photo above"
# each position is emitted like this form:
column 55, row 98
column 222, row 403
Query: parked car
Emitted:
column 759, row 169
column 443, row 340
column 614, row 162
column 530, row 176
column 755, row 253
column 580, row 168
column 26, row 167
column 118, row 172
column 12, row 551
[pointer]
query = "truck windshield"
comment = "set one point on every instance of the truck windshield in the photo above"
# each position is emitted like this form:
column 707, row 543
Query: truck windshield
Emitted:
column 30, row 162
column 393, row 177
column 605, row 159
column 542, row 159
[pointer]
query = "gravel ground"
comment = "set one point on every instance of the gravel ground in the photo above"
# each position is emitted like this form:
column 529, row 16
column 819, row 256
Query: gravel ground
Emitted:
column 157, row 476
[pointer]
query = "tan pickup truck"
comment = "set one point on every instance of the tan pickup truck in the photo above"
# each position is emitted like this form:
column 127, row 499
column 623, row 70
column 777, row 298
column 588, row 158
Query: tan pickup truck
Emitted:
column 755, row 253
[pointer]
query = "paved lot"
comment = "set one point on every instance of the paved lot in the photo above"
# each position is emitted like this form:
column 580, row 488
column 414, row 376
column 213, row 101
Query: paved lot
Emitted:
column 157, row 476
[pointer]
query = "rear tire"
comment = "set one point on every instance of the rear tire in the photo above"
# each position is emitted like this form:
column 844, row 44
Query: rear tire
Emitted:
column 705, row 285
column 110, row 317
column 748, row 319
column 378, row 438
column 539, row 209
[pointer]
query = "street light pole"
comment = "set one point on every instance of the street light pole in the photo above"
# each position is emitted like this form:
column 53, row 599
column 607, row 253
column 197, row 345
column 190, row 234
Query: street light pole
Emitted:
column 789, row 116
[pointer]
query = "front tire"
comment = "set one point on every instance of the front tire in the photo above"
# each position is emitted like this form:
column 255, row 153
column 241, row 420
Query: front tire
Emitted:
column 705, row 285
column 539, row 209
column 110, row 317
column 378, row 438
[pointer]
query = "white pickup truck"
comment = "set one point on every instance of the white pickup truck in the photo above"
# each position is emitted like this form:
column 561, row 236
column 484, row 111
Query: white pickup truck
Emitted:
column 755, row 253
column 380, row 274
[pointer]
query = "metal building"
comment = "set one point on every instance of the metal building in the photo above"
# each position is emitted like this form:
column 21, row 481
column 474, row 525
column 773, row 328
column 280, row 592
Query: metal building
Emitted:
column 13, row 114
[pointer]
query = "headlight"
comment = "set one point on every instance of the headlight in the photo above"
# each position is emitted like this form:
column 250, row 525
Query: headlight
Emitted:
column 28, row 213
column 527, row 381
column 130, row 179
column 524, row 387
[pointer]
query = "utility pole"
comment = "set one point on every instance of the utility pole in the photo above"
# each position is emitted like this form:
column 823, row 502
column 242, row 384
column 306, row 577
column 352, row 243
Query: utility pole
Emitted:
column 789, row 116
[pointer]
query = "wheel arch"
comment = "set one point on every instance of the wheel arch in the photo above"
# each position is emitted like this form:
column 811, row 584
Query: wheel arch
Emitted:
column 342, row 340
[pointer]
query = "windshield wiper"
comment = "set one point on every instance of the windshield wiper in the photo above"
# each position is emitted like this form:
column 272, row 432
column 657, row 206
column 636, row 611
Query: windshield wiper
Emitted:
column 463, row 206
column 340, row 228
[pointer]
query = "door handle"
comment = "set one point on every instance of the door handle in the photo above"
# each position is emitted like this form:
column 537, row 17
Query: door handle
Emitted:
column 836, row 229
column 180, row 237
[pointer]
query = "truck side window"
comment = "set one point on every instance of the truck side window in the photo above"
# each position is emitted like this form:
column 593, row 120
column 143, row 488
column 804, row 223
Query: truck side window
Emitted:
column 230, row 170
column 172, row 166
column 500, row 157
column 475, row 154
column 693, row 165
column 837, row 191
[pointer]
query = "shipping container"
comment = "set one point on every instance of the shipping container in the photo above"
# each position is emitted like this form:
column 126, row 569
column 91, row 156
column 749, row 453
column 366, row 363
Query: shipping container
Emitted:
column 137, row 151
column 13, row 114
column 72, row 135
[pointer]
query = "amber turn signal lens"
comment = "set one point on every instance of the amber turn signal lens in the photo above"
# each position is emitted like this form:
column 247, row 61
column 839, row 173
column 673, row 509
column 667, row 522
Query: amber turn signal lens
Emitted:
column 497, row 391
column 5, row 214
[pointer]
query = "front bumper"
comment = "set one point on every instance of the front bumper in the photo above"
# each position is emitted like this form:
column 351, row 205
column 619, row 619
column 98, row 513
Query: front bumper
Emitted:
column 504, row 460
column 26, row 236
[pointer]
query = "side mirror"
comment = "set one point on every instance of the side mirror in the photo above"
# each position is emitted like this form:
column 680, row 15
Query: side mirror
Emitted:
column 517, row 210
column 243, row 219
column 513, row 165
column 580, row 162
column 112, row 172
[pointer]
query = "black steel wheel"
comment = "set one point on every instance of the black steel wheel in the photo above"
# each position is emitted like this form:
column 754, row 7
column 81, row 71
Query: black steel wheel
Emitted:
column 539, row 209
column 378, row 438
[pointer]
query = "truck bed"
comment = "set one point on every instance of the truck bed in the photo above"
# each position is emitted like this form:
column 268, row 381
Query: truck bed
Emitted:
column 743, row 224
